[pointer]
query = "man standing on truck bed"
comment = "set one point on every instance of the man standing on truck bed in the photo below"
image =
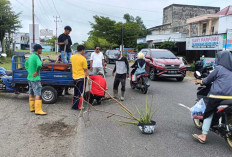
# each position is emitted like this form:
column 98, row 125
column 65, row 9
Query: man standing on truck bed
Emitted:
column 33, row 65
column 79, row 72
column 65, row 40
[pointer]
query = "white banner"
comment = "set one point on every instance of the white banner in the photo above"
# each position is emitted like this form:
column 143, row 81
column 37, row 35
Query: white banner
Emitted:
column 212, row 42
column 46, row 32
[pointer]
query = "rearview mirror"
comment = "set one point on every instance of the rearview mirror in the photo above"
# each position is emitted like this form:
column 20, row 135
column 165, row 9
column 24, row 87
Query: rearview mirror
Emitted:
column 197, row 74
column 148, row 57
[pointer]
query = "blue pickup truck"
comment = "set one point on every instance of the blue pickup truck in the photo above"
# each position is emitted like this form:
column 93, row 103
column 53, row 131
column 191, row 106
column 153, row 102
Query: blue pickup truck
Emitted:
column 53, row 81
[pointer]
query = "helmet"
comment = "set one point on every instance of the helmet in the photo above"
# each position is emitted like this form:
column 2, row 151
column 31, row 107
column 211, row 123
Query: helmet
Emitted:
column 140, row 55
column 68, row 28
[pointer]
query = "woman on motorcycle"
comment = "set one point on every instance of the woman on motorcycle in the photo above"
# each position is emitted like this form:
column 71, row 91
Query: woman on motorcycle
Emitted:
column 139, row 66
column 221, row 89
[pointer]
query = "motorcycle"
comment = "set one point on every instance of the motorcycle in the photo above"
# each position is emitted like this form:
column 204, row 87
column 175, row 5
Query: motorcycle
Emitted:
column 222, row 120
column 142, row 82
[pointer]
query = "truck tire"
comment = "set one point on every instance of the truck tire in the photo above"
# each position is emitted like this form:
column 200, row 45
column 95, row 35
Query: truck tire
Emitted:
column 49, row 95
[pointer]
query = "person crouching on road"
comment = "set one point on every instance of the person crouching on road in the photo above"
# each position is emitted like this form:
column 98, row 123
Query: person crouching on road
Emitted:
column 79, row 72
column 96, row 92
column 33, row 65
column 139, row 66
column 97, row 61
column 122, row 72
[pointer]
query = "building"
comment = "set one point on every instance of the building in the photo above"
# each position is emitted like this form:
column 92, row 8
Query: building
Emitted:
column 213, row 34
column 21, row 40
column 174, row 26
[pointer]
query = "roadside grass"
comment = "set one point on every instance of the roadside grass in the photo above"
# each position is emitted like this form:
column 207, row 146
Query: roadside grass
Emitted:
column 6, row 63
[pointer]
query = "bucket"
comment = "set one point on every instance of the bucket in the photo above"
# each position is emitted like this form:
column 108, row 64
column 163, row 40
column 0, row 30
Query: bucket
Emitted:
column 147, row 128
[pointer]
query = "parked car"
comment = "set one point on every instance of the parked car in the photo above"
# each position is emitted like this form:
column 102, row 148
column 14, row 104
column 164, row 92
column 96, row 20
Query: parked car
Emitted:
column 161, row 63
column 87, row 55
column 112, row 56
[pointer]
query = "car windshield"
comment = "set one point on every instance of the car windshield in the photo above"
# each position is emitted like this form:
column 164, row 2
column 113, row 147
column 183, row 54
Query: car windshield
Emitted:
column 88, row 53
column 113, row 52
column 163, row 55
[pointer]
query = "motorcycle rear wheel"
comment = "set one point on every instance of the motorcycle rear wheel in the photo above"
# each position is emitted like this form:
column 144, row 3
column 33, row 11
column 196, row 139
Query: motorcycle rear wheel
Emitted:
column 228, row 137
column 132, row 85
column 197, row 123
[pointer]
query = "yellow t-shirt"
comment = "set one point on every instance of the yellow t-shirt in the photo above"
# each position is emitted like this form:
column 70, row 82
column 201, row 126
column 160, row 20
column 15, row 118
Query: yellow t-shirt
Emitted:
column 79, row 63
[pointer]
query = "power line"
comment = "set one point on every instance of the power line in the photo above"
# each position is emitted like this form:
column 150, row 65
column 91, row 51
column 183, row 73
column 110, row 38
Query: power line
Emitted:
column 114, row 6
column 55, row 8
column 43, row 8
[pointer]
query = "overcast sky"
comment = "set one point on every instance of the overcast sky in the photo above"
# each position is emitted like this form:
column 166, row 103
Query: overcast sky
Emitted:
column 78, row 13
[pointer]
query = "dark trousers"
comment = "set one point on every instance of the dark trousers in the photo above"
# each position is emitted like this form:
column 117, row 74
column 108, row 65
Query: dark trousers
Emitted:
column 119, row 80
column 211, row 106
column 90, row 97
column 78, row 90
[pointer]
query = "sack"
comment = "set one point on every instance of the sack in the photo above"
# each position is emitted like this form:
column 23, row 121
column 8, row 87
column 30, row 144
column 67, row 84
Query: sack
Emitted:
column 198, row 109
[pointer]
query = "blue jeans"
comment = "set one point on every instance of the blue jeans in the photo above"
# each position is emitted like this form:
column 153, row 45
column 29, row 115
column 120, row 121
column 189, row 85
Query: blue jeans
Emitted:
column 35, row 87
column 65, row 57
column 206, row 124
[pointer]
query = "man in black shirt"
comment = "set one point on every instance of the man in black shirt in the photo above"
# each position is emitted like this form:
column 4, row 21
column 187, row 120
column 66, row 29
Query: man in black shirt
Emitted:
column 122, row 72
column 65, row 40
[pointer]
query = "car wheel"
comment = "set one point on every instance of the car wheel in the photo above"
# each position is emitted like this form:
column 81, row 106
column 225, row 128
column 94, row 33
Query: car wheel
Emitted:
column 152, row 74
column 180, row 79
column 108, row 61
column 49, row 95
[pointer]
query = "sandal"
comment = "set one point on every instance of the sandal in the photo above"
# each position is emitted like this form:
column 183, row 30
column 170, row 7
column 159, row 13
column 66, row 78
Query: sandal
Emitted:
column 195, row 136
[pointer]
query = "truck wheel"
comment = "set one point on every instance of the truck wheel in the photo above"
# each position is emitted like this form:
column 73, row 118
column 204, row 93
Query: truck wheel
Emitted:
column 49, row 95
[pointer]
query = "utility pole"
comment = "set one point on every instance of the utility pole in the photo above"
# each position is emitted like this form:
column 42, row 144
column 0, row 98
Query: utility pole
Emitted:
column 33, row 21
column 56, row 21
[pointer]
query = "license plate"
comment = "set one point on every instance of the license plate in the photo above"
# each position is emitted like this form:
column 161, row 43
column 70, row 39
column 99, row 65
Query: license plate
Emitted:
column 172, row 72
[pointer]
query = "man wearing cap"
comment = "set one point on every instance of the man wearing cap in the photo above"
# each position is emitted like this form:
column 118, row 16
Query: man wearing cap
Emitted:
column 64, row 41
column 96, row 92
column 33, row 65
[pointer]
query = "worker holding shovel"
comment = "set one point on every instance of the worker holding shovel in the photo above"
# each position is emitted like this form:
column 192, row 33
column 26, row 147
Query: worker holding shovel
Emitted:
column 65, row 43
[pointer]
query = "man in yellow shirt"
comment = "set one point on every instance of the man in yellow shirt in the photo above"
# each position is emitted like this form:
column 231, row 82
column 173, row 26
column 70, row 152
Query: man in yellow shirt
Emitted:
column 79, row 72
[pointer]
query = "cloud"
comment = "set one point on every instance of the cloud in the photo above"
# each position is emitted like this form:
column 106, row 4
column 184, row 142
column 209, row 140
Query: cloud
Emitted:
column 79, row 13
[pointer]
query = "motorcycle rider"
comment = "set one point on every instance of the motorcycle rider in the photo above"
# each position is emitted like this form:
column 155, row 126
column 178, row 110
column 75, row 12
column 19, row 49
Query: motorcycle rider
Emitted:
column 139, row 66
column 221, row 89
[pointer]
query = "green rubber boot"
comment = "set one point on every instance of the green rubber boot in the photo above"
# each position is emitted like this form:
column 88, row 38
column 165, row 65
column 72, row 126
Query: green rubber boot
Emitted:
column 115, row 94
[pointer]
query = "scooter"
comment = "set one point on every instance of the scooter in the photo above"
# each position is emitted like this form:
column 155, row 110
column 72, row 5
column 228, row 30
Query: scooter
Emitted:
column 142, row 82
column 222, row 120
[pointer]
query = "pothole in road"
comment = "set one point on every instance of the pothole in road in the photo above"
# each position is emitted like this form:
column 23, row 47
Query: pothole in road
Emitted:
column 57, row 129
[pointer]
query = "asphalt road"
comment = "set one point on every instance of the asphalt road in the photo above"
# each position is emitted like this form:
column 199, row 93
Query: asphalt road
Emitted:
column 61, row 133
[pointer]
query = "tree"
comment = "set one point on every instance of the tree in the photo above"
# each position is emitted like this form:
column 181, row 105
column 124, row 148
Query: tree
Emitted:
column 169, row 45
column 103, row 28
column 74, row 46
column 52, row 41
column 141, row 46
column 111, row 31
column 128, row 18
column 9, row 23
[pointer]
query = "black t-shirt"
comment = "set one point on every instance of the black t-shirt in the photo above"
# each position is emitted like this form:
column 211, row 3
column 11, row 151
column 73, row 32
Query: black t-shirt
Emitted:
column 61, row 39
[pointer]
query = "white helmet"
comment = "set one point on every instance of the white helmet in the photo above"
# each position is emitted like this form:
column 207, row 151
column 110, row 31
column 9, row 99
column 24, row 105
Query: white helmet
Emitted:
column 140, row 55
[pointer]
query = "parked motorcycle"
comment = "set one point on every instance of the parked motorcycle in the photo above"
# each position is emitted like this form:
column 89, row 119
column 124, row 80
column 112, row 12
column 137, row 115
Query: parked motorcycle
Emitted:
column 222, row 120
column 142, row 82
